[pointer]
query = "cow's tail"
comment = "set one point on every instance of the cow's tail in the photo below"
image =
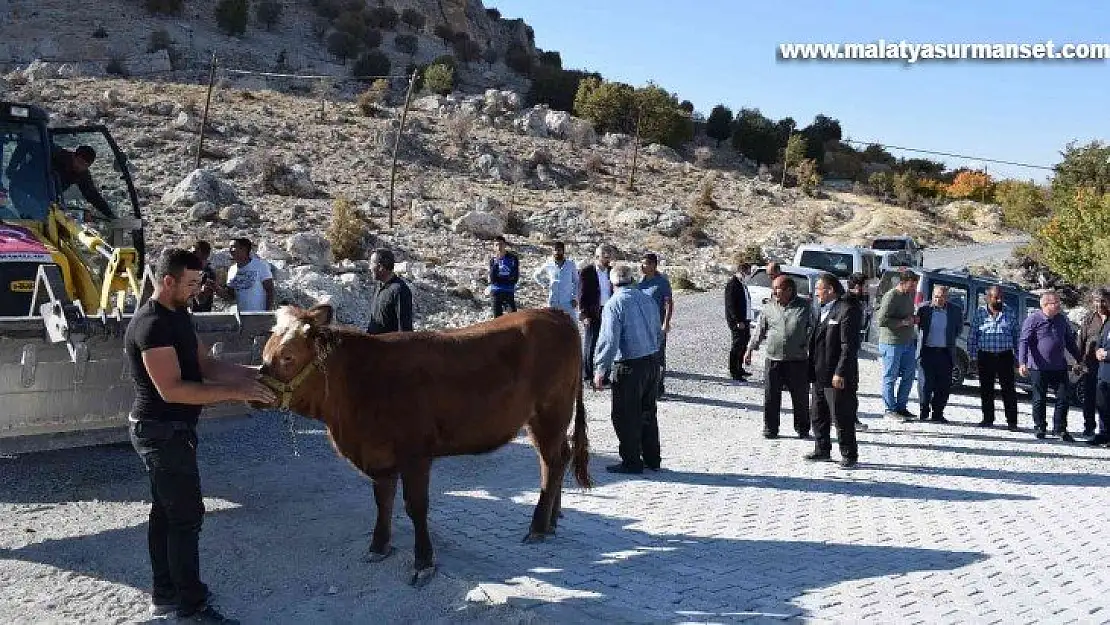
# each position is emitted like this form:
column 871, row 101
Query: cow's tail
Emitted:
column 581, row 459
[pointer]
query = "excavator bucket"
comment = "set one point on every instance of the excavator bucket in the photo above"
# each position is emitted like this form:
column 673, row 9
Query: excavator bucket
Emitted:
column 65, row 380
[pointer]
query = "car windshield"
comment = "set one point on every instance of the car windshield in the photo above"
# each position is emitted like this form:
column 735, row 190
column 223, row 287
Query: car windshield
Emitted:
column 836, row 263
column 760, row 278
column 24, row 192
column 888, row 245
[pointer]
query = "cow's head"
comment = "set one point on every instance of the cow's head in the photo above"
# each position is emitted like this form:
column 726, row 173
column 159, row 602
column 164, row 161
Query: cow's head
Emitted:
column 291, row 351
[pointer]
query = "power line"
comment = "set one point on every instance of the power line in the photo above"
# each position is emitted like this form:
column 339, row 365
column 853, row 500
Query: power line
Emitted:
column 963, row 156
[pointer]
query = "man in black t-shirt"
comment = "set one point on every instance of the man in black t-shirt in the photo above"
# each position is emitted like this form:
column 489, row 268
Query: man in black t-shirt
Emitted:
column 391, row 309
column 174, row 379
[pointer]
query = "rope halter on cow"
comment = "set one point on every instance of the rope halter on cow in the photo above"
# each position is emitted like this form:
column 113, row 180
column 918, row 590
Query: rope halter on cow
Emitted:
column 285, row 390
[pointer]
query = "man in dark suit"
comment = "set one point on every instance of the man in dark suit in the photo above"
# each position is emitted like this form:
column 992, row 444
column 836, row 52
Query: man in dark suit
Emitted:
column 941, row 323
column 834, row 371
column 596, row 290
column 738, row 309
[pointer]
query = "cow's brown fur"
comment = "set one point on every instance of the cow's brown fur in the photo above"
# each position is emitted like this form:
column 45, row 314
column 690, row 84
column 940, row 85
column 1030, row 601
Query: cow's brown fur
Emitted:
column 394, row 402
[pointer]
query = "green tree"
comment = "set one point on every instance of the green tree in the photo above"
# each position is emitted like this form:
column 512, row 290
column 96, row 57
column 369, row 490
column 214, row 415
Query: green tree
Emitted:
column 373, row 63
column 755, row 136
column 609, row 106
column 556, row 87
column 875, row 153
column 406, row 43
column 662, row 118
column 1083, row 166
column 268, row 13
column 232, row 16
column 439, row 78
column 795, row 150
column 413, row 18
column 719, row 124
column 343, row 45
column 1023, row 204
column 385, row 18
column 1073, row 242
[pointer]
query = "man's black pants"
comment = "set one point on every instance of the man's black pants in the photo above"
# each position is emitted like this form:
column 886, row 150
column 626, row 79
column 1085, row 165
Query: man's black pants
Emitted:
column 1103, row 392
column 838, row 406
column 740, row 340
column 1091, row 407
column 590, row 333
column 503, row 303
column 794, row 376
column 936, row 380
column 661, row 358
column 176, row 513
column 634, row 411
column 1000, row 366
column 1042, row 382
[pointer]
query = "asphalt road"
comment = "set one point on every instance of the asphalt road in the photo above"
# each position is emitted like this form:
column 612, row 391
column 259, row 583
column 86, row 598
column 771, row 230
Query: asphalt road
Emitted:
column 963, row 255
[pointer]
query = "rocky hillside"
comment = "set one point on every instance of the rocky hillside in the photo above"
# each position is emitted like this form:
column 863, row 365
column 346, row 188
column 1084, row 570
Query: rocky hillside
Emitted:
column 470, row 167
column 125, row 32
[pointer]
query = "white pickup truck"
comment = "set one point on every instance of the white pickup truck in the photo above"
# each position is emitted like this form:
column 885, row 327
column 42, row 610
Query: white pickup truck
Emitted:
column 897, row 251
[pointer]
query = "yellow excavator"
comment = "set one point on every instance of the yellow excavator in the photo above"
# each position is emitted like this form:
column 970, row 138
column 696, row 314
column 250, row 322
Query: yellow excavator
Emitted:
column 71, row 277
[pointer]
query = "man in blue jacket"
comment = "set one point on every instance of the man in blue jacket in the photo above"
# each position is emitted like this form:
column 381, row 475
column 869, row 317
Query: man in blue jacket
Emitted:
column 504, row 272
column 941, row 323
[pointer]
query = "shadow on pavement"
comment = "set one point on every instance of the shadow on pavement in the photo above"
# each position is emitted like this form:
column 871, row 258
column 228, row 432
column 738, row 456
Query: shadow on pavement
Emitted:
column 1016, row 477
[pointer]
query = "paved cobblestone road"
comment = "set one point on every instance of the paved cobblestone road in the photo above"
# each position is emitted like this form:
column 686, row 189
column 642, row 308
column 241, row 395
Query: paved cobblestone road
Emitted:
column 939, row 524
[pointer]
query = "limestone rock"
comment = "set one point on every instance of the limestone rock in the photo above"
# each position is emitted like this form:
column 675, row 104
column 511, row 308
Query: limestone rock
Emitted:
column 480, row 224
column 310, row 249
column 201, row 185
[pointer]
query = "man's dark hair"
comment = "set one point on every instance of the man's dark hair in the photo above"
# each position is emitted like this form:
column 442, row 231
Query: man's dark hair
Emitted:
column 908, row 276
column 744, row 268
column 559, row 245
column 832, row 282
column 202, row 247
column 651, row 257
column 86, row 153
column 1103, row 293
column 856, row 280
column 501, row 239
column 385, row 258
column 244, row 243
column 174, row 261
column 789, row 284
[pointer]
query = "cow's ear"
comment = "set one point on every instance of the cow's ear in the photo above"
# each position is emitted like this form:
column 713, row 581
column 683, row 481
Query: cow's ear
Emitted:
column 321, row 315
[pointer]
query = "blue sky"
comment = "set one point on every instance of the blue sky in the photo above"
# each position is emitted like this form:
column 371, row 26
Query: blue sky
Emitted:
column 720, row 51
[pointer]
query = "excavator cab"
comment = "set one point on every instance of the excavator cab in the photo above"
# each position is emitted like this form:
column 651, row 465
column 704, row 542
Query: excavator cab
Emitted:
column 71, row 278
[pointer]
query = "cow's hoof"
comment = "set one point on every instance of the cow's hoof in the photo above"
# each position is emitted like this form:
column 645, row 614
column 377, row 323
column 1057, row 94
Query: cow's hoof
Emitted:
column 421, row 577
column 374, row 557
column 533, row 537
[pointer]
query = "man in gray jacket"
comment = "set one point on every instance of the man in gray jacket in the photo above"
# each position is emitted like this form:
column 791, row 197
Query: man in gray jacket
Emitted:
column 785, row 323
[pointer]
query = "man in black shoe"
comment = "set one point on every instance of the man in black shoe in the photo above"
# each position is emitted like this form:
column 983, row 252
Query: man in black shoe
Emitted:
column 174, row 379
column 1102, row 390
column 628, row 342
column 857, row 296
column 992, row 343
column 897, row 344
column 738, row 315
column 785, row 323
column 940, row 323
column 1046, row 338
column 1094, row 327
column 834, row 371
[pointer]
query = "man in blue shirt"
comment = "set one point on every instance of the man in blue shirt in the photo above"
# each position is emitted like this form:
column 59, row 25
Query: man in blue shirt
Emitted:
column 658, row 287
column 992, row 344
column 627, row 348
column 941, row 323
column 504, row 272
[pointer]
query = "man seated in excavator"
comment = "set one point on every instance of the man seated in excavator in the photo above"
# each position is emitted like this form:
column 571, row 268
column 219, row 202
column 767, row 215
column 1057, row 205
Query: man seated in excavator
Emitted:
column 70, row 168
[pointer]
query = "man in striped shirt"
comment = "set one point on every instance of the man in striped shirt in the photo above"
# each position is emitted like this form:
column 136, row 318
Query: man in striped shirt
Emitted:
column 992, row 344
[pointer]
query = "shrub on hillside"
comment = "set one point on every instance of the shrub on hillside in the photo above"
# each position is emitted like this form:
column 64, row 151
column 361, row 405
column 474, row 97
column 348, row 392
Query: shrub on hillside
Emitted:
column 347, row 232
column 719, row 124
column 164, row 7
column 372, row 39
column 372, row 63
column 343, row 45
column 974, row 185
column 607, row 105
column 809, row 178
column 406, row 43
column 490, row 55
column 1023, row 203
column 444, row 32
column 555, row 87
column 159, row 40
column 881, row 183
column 905, row 187
column 439, row 78
column 413, row 18
column 385, row 18
column 466, row 49
column 1073, row 242
column 232, row 16
column 751, row 254
column 374, row 95
column 493, row 14
column 353, row 23
column 268, row 13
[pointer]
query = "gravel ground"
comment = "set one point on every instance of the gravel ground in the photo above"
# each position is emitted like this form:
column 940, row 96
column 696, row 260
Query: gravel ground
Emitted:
column 949, row 519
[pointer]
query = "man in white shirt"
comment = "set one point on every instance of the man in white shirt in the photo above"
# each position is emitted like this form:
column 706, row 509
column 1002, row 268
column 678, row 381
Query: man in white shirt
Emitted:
column 249, row 281
column 560, row 277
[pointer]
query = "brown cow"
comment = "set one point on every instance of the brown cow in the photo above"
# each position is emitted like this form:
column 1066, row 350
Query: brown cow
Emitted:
column 394, row 402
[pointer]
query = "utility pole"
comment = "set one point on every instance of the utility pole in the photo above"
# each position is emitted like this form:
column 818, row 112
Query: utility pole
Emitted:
column 397, row 145
column 207, row 103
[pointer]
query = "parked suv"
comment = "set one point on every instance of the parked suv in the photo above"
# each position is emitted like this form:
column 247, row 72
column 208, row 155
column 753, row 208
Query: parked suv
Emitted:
column 969, row 293
column 839, row 260
column 906, row 250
